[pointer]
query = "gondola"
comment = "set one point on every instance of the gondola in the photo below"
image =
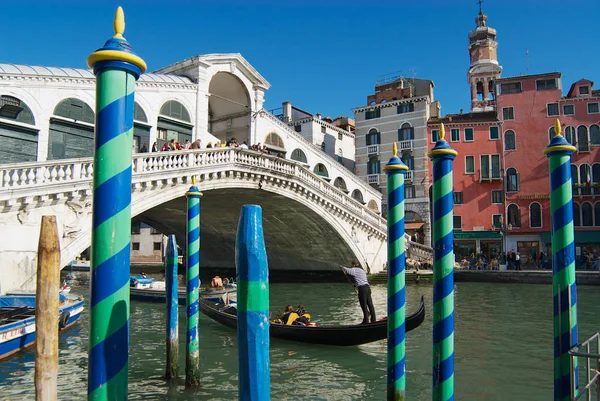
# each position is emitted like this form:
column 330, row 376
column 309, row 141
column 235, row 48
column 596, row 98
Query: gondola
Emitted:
column 342, row 335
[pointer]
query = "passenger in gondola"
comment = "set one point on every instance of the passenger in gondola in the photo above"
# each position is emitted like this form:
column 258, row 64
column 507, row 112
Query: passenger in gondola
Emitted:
column 294, row 317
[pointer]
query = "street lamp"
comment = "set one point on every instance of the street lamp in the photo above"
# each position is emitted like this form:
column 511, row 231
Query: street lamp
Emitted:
column 503, row 231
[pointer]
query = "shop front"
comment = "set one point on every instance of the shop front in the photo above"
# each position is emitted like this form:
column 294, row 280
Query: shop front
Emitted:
column 467, row 243
column 587, row 248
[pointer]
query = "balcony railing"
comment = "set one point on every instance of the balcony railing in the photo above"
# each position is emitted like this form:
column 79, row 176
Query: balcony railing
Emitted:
column 408, row 176
column 373, row 179
column 406, row 145
column 372, row 150
column 489, row 176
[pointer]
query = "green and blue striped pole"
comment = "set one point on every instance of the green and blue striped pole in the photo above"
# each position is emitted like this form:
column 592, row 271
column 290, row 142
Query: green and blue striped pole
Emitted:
column 192, row 366
column 442, row 156
column 253, row 307
column 564, row 290
column 116, row 68
column 396, row 285
column 171, row 265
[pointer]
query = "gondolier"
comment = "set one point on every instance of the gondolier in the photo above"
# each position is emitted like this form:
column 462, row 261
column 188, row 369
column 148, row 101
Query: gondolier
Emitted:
column 360, row 281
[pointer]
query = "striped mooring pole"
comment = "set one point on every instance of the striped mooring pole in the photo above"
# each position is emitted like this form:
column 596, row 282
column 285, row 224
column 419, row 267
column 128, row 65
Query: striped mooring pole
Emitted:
column 172, row 341
column 396, row 284
column 116, row 68
column 253, row 306
column 564, row 290
column 442, row 156
column 192, row 365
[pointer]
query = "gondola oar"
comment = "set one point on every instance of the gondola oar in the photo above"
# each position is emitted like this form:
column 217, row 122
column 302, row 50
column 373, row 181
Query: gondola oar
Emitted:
column 348, row 278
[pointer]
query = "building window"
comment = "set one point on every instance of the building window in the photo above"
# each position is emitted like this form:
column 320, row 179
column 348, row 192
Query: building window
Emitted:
column 576, row 215
column 408, row 159
column 583, row 144
column 457, row 222
column 569, row 109
column 497, row 220
column 552, row 109
column 435, row 135
column 323, row 129
column 514, row 215
column 373, row 137
column 587, row 215
column 508, row 113
column 596, row 178
column 595, row 134
column 372, row 114
column 574, row 179
column 373, row 166
column 469, row 164
column 494, row 133
column 468, row 134
column 593, row 108
column 323, row 146
column 510, row 140
column 406, row 132
column 490, row 167
column 497, row 196
column 154, row 231
column 157, row 246
column 535, row 215
column 409, row 191
column 512, row 180
column 545, row 84
column 551, row 133
column 597, row 214
column 298, row 128
column 585, row 175
column 455, row 134
column 514, row 87
column 136, row 226
column 570, row 135
column 458, row 198
column 340, row 156
column 340, row 136
column 405, row 108
column 135, row 246
column 584, row 90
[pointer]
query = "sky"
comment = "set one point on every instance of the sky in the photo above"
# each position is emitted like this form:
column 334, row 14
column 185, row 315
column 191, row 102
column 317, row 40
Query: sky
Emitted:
column 323, row 56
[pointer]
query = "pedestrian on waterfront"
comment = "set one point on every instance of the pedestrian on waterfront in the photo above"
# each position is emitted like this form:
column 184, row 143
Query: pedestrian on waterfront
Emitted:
column 518, row 261
column 155, row 147
column 144, row 148
column 360, row 281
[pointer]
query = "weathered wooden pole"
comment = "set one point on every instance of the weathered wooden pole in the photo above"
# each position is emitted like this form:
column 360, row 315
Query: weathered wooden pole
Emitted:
column 116, row 69
column 46, row 311
column 172, row 310
column 253, row 307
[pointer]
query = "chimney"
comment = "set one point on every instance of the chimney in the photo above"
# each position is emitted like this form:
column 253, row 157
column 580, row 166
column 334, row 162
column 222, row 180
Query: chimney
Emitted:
column 319, row 116
column 461, row 111
column 287, row 111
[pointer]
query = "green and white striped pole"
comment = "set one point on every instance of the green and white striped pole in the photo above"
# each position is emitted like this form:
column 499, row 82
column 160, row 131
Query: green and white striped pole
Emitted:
column 192, row 366
column 116, row 68
column 396, row 284
column 564, row 290
column 442, row 156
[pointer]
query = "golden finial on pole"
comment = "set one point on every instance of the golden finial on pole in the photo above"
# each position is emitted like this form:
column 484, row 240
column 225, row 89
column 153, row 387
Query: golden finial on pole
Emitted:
column 394, row 149
column 193, row 180
column 557, row 127
column 119, row 24
column 442, row 132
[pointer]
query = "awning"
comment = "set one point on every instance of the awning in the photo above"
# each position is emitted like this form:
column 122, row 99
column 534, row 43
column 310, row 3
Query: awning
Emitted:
column 580, row 236
column 413, row 226
column 477, row 235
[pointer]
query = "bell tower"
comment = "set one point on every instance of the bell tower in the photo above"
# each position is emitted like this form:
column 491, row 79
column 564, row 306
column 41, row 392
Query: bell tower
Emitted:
column 484, row 68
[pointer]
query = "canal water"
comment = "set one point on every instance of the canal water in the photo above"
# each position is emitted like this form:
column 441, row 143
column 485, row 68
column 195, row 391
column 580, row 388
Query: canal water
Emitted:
column 503, row 348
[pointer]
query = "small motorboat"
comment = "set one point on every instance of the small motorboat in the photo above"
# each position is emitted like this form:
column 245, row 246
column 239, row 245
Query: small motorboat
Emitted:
column 342, row 335
column 144, row 288
column 17, row 320
column 65, row 289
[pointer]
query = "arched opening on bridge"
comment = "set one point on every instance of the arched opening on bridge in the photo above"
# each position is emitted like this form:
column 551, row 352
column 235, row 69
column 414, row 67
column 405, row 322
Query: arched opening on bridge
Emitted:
column 19, row 142
column 321, row 171
column 228, row 108
column 141, row 129
column 174, row 123
column 357, row 195
column 372, row 206
column 274, row 143
column 71, row 130
column 299, row 156
column 341, row 184
column 413, row 226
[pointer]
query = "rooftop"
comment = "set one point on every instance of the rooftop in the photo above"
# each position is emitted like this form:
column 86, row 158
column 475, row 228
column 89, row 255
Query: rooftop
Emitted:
column 527, row 77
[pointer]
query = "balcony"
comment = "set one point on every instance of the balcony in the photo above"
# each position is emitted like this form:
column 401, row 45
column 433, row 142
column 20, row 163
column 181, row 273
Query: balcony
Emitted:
column 408, row 176
column 372, row 150
column 406, row 145
column 373, row 178
column 489, row 176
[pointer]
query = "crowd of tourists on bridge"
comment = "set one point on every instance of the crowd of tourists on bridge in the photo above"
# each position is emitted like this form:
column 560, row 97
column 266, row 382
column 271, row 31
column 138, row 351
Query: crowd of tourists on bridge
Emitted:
column 173, row 145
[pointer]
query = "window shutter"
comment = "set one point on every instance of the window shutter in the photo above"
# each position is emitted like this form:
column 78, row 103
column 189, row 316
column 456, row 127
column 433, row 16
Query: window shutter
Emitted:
column 518, row 181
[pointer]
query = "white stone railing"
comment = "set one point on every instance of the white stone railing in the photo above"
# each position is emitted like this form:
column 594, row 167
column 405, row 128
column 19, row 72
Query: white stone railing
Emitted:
column 405, row 145
column 56, row 177
column 417, row 251
column 373, row 150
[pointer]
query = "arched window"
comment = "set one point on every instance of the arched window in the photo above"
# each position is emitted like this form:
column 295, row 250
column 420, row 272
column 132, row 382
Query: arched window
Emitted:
column 570, row 135
column 139, row 114
column 510, row 140
column 141, row 130
column 585, row 177
column 19, row 142
column 299, row 156
column 575, row 179
column 341, row 184
column 551, row 133
column 406, row 132
column 373, row 137
column 576, row 215
column 357, row 195
column 176, row 110
column 321, row 170
column 274, row 142
column 514, row 215
column 479, row 88
column 174, row 123
column 340, row 155
column 535, row 215
column 596, row 178
column 597, row 214
column 73, row 138
column 587, row 214
column 512, row 180
column 595, row 134
column 408, row 159
column 323, row 146
column 583, row 144
column 491, row 90
column 411, row 217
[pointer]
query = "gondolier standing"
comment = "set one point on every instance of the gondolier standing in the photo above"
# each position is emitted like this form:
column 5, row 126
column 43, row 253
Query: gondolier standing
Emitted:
column 360, row 281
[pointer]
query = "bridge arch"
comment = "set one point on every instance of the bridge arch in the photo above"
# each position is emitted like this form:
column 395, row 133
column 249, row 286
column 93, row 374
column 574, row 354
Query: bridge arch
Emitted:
column 229, row 108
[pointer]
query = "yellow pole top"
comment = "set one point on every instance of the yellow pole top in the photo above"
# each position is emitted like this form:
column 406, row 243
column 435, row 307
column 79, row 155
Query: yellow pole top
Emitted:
column 193, row 180
column 557, row 127
column 442, row 132
column 394, row 149
column 119, row 24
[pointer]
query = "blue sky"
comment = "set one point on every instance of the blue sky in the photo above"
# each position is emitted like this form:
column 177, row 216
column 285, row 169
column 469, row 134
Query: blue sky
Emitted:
column 323, row 56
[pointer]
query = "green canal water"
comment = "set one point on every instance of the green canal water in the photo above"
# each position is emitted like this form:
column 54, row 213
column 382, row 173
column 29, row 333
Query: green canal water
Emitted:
column 503, row 349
